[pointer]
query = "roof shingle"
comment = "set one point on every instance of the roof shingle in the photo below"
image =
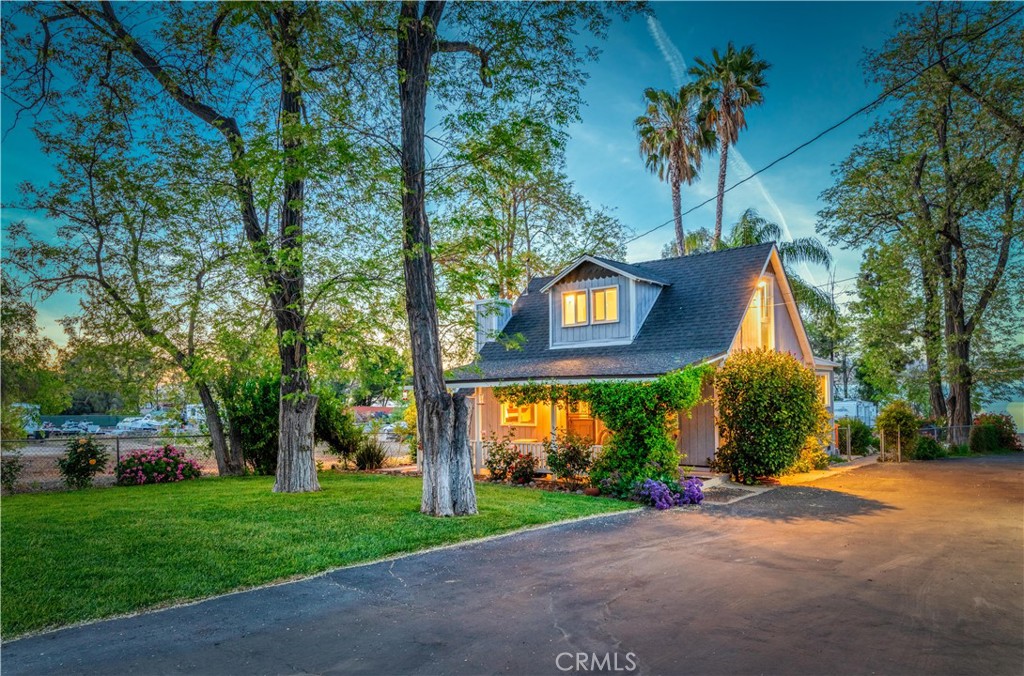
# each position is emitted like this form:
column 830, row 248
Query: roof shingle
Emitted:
column 695, row 317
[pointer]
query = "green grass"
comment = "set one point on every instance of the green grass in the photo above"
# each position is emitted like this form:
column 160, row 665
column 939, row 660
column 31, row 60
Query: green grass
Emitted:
column 68, row 557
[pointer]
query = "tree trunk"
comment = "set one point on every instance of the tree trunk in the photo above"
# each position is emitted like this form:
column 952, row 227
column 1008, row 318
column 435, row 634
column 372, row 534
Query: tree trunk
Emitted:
column 296, row 465
column 723, row 162
column 931, row 334
column 677, row 216
column 442, row 418
column 296, row 468
column 229, row 458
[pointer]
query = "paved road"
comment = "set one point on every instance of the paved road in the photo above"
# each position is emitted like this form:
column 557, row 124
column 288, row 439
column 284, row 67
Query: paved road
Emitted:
column 911, row 569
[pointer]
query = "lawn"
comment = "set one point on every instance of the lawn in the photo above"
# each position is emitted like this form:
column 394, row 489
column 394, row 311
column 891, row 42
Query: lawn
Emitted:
column 68, row 557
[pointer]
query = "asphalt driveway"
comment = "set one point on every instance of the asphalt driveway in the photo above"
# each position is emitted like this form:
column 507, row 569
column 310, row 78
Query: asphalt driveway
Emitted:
column 910, row 569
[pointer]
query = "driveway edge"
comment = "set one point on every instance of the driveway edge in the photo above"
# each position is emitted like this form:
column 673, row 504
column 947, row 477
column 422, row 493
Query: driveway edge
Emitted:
column 302, row 578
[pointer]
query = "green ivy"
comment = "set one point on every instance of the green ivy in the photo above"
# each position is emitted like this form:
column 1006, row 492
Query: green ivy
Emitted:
column 636, row 413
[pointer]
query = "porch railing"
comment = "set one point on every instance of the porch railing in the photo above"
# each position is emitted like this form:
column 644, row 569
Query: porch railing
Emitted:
column 537, row 450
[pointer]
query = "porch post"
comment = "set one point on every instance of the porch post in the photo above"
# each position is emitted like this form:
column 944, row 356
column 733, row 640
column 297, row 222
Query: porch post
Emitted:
column 478, row 447
column 554, row 419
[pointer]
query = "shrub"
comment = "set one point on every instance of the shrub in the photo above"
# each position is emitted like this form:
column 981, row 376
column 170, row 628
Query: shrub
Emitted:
column 11, row 467
column 958, row 450
column 662, row 495
column 335, row 426
column 501, row 456
column 522, row 468
column 862, row 440
column 156, row 466
column 814, row 453
column 569, row 458
column 898, row 424
column 928, row 448
column 371, row 454
column 767, row 406
column 252, row 407
column 994, row 432
column 83, row 459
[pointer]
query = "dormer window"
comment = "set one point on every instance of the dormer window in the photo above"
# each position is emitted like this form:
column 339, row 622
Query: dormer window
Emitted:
column 606, row 304
column 574, row 308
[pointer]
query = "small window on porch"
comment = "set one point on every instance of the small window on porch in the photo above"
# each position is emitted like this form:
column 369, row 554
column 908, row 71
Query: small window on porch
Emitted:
column 525, row 415
column 574, row 308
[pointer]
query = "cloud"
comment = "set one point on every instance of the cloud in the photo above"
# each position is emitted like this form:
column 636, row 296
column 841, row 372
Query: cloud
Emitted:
column 674, row 59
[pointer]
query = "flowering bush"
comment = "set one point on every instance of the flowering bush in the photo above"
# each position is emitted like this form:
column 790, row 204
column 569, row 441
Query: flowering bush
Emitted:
column 156, row 466
column 522, row 468
column 994, row 432
column 569, row 458
column 83, row 459
column 662, row 496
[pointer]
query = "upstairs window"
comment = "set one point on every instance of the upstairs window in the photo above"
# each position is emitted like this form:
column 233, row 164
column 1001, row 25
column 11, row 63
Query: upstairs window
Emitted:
column 606, row 305
column 824, row 391
column 574, row 308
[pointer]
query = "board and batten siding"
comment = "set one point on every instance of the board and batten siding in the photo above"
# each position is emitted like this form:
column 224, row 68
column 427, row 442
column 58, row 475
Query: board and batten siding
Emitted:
column 696, row 442
column 620, row 331
column 646, row 295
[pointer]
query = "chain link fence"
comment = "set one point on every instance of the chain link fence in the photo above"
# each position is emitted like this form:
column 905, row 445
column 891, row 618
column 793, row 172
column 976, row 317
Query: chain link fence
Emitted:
column 39, row 456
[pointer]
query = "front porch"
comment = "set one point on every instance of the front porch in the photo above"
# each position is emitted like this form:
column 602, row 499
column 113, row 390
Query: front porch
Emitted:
column 533, row 424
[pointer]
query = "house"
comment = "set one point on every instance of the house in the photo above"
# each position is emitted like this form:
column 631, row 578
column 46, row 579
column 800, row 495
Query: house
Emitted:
column 861, row 410
column 600, row 319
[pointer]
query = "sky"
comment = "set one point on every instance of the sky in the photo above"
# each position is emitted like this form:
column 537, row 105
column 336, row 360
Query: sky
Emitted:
column 815, row 79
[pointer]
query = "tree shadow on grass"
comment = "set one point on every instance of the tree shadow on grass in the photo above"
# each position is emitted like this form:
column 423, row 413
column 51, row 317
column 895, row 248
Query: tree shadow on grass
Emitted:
column 796, row 503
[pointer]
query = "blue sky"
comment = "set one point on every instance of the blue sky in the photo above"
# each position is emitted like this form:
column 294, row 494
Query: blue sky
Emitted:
column 815, row 80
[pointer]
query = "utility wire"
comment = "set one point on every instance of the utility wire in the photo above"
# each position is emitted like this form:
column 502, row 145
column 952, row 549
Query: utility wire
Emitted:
column 835, row 126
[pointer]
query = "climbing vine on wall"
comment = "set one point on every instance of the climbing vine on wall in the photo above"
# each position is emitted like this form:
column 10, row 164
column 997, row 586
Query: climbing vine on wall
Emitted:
column 636, row 413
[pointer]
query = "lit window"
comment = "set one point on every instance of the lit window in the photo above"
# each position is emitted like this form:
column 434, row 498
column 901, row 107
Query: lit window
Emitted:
column 763, row 301
column 606, row 304
column 519, row 415
column 574, row 308
column 824, row 391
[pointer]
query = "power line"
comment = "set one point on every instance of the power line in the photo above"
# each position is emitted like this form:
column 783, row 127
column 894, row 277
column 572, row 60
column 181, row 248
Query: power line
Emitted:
column 835, row 126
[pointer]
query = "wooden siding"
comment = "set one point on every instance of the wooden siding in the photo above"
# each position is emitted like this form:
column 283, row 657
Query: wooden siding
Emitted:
column 646, row 295
column 580, row 335
column 490, row 422
column 696, row 441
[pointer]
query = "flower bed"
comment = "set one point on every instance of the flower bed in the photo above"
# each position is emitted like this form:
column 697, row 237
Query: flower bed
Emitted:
column 156, row 466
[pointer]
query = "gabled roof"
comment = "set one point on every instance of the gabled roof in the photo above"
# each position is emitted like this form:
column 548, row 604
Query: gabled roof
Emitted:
column 702, row 302
column 630, row 271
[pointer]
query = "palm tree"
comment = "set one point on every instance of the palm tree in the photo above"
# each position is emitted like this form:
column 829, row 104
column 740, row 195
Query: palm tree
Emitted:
column 728, row 84
column 752, row 228
column 672, row 142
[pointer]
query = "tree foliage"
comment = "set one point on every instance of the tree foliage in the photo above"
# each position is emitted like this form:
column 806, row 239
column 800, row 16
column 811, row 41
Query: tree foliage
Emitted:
column 933, row 194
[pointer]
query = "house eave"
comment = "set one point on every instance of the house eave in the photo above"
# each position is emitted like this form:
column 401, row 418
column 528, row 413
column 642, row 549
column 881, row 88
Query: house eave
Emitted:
column 586, row 258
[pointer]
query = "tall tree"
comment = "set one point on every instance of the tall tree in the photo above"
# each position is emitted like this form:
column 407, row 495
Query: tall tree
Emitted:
column 533, row 54
column 673, row 139
column 511, row 213
column 960, row 179
column 728, row 84
column 266, row 89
